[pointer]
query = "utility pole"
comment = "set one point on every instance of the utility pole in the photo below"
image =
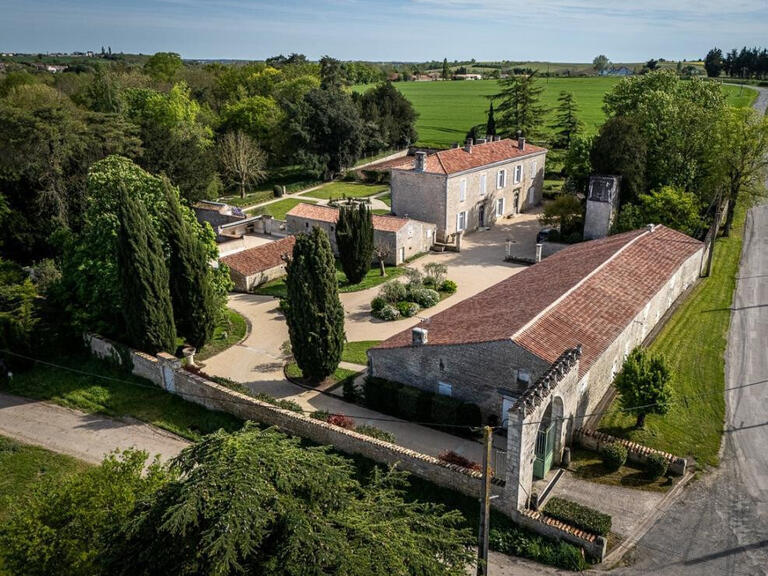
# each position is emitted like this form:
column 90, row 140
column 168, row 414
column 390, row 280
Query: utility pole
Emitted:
column 485, row 504
column 715, row 229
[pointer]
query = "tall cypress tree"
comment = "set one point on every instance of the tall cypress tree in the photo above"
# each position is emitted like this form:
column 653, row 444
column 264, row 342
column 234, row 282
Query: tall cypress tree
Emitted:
column 567, row 123
column 143, row 273
column 354, row 238
column 194, row 304
column 490, row 126
column 314, row 312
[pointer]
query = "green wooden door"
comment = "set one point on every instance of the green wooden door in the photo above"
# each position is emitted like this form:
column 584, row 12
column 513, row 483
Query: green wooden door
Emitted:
column 545, row 448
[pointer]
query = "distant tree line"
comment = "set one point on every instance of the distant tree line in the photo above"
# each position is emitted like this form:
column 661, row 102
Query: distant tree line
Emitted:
column 745, row 63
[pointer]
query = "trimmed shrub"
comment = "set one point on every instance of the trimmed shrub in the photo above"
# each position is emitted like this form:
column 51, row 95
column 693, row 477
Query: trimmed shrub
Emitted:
column 320, row 415
column 377, row 433
column 452, row 458
column 444, row 409
column 408, row 309
column 614, row 456
column 578, row 516
column 377, row 304
column 448, row 286
column 393, row 291
column 425, row 297
column 381, row 395
column 410, row 403
column 342, row 421
column 388, row 313
column 350, row 392
column 278, row 191
column 656, row 466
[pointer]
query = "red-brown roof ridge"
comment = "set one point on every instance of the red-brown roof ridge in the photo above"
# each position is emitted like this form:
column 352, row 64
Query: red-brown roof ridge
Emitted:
column 382, row 222
column 260, row 258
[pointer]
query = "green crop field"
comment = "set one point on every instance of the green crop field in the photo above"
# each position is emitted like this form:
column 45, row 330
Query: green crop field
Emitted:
column 447, row 110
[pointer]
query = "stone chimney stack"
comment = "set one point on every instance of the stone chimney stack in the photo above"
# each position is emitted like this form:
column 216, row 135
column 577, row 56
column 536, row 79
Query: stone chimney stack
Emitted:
column 521, row 142
column 419, row 336
column 538, row 252
column 420, row 160
column 481, row 141
column 468, row 145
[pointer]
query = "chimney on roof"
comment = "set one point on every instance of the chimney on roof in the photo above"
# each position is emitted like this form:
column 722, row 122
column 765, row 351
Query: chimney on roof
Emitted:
column 521, row 142
column 419, row 336
column 455, row 145
column 539, row 246
column 468, row 145
column 651, row 227
column 481, row 140
column 420, row 161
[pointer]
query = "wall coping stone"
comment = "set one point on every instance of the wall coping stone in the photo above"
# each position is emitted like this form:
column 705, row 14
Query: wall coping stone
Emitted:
column 536, row 392
column 677, row 464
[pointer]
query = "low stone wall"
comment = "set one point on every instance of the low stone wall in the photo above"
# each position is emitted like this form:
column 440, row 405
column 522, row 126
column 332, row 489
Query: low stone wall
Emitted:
column 165, row 371
column 636, row 453
column 594, row 545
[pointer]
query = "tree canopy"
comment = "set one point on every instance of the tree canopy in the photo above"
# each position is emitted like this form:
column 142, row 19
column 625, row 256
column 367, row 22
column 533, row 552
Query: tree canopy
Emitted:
column 643, row 384
column 519, row 108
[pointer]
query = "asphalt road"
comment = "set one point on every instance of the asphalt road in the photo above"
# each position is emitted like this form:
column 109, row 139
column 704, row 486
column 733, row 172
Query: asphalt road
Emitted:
column 720, row 525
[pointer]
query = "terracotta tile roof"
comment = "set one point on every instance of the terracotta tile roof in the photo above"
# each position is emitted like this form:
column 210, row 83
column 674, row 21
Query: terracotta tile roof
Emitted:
column 585, row 294
column 260, row 258
column 330, row 215
column 458, row 160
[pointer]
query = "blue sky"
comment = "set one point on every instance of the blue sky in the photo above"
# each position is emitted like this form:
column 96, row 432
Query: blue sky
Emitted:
column 554, row 30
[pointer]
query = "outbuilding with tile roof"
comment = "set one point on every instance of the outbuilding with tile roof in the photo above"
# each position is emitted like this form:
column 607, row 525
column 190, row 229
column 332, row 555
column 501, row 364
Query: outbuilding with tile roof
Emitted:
column 254, row 266
column 545, row 344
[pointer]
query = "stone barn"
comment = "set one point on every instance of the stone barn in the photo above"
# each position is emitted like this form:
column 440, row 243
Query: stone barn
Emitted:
column 254, row 266
column 404, row 237
column 538, row 351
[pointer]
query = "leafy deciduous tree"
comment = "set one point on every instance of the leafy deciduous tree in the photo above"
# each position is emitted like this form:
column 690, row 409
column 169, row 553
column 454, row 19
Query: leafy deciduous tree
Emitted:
column 600, row 63
column 643, row 384
column 242, row 159
column 620, row 148
column 163, row 65
column 670, row 206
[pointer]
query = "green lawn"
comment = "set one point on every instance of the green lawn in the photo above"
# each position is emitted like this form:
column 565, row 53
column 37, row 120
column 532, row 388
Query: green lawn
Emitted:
column 381, row 212
column 693, row 342
column 338, row 377
column 280, row 208
column 347, row 189
column 277, row 289
column 292, row 177
column 447, row 110
column 589, row 465
column 229, row 332
column 122, row 394
column 387, row 199
column 740, row 97
column 355, row 352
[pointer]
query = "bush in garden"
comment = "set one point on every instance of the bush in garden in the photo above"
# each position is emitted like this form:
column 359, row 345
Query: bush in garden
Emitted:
column 278, row 191
column 448, row 286
column 578, row 516
column 388, row 313
column 411, row 404
column 414, row 277
column 614, row 456
column 377, row 304
column 434, row 273
column 393, row 291
column 408, row 309
column 350, row 392
column 424, row 297
column 516, row 541
column 656, row 466
column 381, row 395
column 452, row 458
column 444, row 409
column 342, row 421
column 377, row 433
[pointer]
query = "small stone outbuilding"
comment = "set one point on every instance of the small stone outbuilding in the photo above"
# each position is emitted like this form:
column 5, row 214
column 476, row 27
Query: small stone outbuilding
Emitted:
column 404, row 237
column 255, row 266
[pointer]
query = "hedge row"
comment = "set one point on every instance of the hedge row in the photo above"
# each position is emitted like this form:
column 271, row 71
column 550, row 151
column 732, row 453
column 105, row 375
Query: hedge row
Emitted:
column 417, row 405
column 578, row 516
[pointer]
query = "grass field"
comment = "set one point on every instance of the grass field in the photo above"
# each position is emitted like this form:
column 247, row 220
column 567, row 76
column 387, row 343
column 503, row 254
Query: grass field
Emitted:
column 98, row 387
column 280, row 208
column 229, row 332
column 354, row 352
column 693, row 342
column 346, row 189
column 447, row 110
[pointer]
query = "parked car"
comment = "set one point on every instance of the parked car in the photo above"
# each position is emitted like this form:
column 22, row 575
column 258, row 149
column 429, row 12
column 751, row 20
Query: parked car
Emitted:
column 544, row 235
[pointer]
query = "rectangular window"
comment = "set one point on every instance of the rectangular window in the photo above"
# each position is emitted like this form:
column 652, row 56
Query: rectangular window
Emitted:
column 518, row 173
column 462, row 190
column 483, row 183
column 500, row 207
column 444, row 389
column 501, row 179
column 461, row 221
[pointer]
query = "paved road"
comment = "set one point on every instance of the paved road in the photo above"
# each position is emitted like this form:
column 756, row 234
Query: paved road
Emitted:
column 88, row 437
column 720, row 526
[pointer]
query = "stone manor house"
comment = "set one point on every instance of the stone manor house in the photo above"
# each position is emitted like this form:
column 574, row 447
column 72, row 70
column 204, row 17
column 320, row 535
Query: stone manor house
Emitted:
column 463, row 189
column 538, row 351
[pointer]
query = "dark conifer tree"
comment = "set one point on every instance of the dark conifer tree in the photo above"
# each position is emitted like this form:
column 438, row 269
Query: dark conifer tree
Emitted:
column 567, row 123
column 313, row 310
column 354, row 239
column 194, row 303
column 490, row 126
column 143, row 273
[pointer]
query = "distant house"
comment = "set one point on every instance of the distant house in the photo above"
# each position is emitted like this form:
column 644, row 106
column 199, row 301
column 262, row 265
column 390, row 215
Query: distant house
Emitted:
column 467, row 76
column 620, row 71
column 463, row 189
column 538, row 351
column 404, row 237
column 255, row 266
column 229, row 222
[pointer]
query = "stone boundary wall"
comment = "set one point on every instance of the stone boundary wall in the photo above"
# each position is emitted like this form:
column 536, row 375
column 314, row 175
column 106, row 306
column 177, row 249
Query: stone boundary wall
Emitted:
column 593, row 544
column 165, row 370
column 636, row 453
